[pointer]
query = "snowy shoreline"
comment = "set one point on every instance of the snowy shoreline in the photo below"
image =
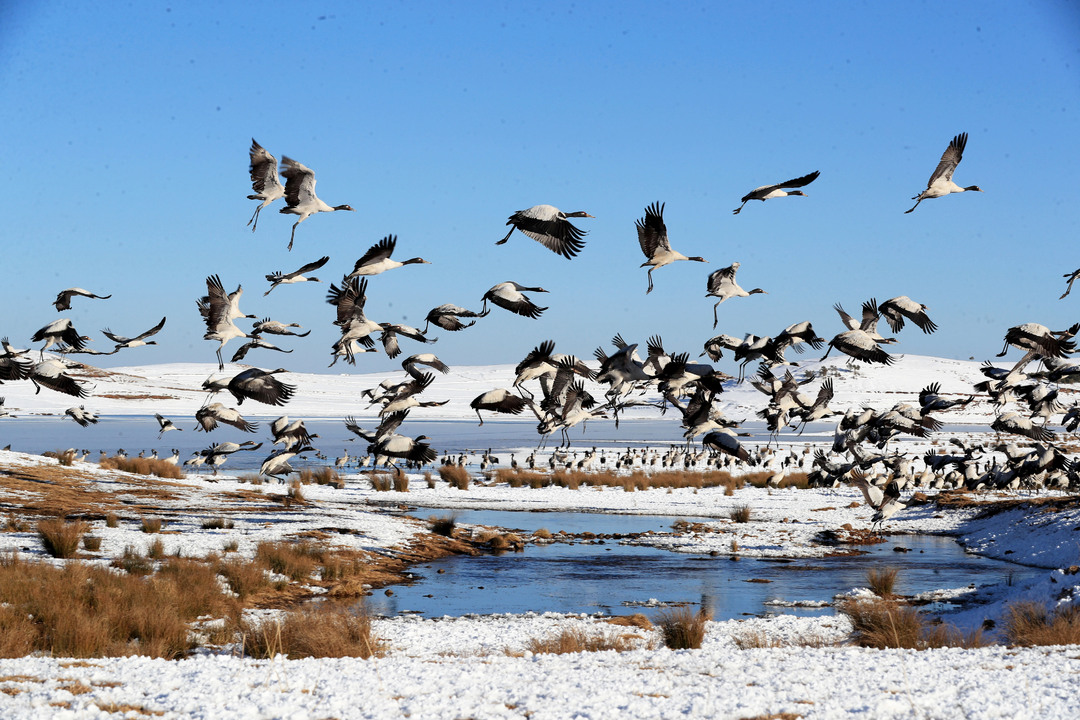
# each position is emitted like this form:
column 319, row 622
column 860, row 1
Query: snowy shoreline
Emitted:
column 430, row 669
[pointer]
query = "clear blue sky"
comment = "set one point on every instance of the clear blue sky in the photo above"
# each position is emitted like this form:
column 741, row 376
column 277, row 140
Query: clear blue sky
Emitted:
column 126, row 128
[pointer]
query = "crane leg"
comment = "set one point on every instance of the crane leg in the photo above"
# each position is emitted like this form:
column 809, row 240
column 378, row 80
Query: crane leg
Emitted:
column 500, row 242
column 715, row 320
column 650, row 282
column 293, row 236
column 220, row 362
column 255, row 218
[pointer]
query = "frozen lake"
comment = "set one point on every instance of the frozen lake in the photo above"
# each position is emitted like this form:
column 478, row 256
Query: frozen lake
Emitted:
column 621, row 579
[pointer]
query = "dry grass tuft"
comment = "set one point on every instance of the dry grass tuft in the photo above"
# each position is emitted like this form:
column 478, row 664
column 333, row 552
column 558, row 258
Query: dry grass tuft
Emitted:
column 429, row 479
column 684, row 629
column 61, row 538
column 401, row 481
column 133, row 562
column 217, row 523
column 577, row 640
column 91, row 543
column 88, row 611
column 63, row 457
column 443, row 525
column 243, row 577
column 156, row 550
column 758, row 639
column 882, row 581
column 740, row 513
column 324, row 475
column 637, row 620
column 457, row 477
column 152, row 524
column 13, row 523
column 887, row 624
column 380, row 483
column 296, row 560
column 143, row 466
column 111, row 520
column 321, row 632
column 1030, row 623
column 296, row 492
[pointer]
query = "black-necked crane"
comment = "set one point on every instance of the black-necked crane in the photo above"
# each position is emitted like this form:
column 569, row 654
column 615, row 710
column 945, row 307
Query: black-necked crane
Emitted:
column 1017, row 424
column 219, row 308
column 653, row 238
column 715, row 346
column 726, row 441
column 377, row 259
column 930, row 400
column 409, row 364
column 868, row 324
column 52, row 374
column 1071, row 278
column 195, row 462
column 885, row 501
column 300, row 194
column 296, row 276
column 1033, row 337
column 768, row 192
column 500, row 400
column 356, row 328
column 264, row 180
column 388, row 444
column 277, row 464
column 722, row 284
column 63, row 298
column 446, row 316
column 164, row 424
column 228, row 448
column 137, row 341
column 897, row 308
column 550, row 227
column 941, row 182
column 210, row 415
column 81, row 415
column 390, row 331
column 509, row 296
column 291, row 434
column 13, row 363
column 261, row 386
column 275, row 327
column 858, row 345
column 538, row 362
column 59, row 332
column 255, row 342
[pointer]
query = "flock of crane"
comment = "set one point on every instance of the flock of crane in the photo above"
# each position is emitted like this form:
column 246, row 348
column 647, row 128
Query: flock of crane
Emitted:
column 562, row 401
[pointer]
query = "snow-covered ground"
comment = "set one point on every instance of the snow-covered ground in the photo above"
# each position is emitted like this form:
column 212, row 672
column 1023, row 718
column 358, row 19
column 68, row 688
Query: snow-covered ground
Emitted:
column 480, row 667
column 175, row 388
